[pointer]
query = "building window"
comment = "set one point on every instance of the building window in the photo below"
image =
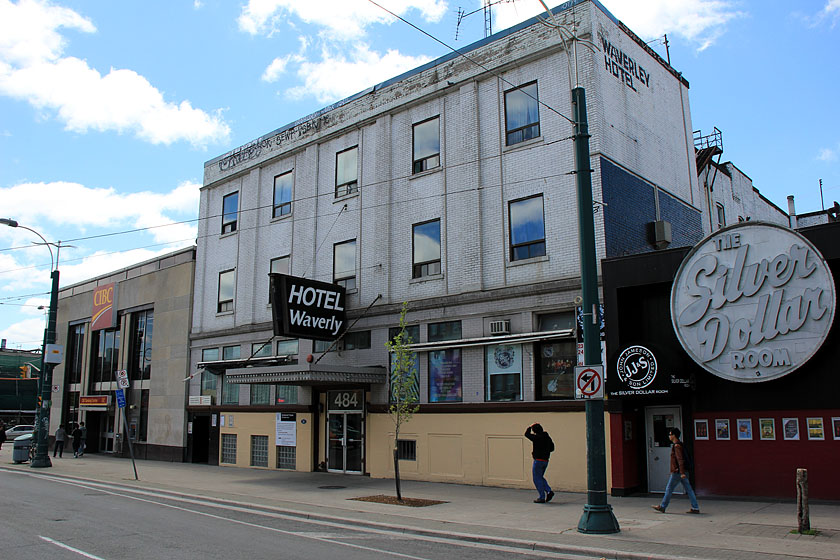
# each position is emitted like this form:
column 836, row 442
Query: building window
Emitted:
column 105, row 356
column 288, row 348
column 209, row 380
column 426, row 249
column 426, row 143
column 445, row 375
column 448, row 330
column 261, row 350
column 721, row 215
column 140, row 362
column 527, row 228
column 230, row 391
column 280, row 265
column 322, row 345
column 286, row 457
column 406, row 450
column 230, row 206
column 357, row 340
column 143, row 431
column 504, row 372
column 556, row 370
column 285, row 394
column 227, row 280
column 260, row 394
column 259, row 451
column 558, row 321
column 347, row 172
column 75, row 357
column 228, row 449
column 282, row 195
column 412, row 334
column 522, row 114
column 344, row 264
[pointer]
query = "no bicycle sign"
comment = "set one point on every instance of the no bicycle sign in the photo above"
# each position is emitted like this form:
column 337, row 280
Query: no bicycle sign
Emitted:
column 589, row 382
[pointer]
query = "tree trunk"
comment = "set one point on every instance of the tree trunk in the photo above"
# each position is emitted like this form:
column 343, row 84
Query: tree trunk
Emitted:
column 397, row 472
column 802, row 514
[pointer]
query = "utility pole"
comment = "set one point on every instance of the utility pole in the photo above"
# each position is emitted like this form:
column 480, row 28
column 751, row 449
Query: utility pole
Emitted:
column 42, row 451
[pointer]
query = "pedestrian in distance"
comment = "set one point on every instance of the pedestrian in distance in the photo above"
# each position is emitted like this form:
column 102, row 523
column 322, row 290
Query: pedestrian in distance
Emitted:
column 60, row 438
column 543, row 446
column 679, row 474
column 77, row 440
column 83, row 444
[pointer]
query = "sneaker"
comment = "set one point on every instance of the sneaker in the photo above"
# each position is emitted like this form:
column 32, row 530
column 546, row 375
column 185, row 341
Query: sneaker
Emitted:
column 660, row 509
column 549, row 496
column 693, row 511
column 539, row 501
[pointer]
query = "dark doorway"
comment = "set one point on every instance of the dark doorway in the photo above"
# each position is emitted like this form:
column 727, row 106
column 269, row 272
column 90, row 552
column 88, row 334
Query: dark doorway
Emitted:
column 93, row 423
column 200, row 439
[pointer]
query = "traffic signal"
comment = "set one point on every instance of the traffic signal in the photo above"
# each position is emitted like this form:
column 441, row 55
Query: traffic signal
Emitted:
column 24, row 371
column 40, row 401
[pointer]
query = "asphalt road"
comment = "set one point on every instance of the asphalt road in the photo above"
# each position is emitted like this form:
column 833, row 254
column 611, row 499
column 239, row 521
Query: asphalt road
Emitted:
column 46, row 518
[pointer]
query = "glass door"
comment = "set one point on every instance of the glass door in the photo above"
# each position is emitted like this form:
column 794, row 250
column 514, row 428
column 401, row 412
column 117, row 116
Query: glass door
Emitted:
column 658, row 420
column 345, row 442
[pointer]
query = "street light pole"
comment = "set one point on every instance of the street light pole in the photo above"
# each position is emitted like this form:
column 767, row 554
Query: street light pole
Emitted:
column 42, row 413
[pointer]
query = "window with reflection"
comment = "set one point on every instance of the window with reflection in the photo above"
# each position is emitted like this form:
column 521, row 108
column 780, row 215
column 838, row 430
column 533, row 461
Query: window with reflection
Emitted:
column 209, row 380
column 230, row 207
column 282, row 195
column 556, row 369
column 344, row 264
column 230, row 391
column 261, row 349
column 448, row 330
column 140, row 362
column 426, row 249
column 426, row 145
column 286, row 394
column 75, row 353
column 105, row 356
column 227, row 281
column 347, row 172
column 522, row 114
column 527, row 228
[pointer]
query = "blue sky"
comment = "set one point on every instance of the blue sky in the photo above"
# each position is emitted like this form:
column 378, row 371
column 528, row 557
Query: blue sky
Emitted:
column 108, row 110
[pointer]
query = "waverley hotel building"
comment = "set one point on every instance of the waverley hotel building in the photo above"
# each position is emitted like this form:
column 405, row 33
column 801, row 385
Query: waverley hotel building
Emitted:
column 452, row 188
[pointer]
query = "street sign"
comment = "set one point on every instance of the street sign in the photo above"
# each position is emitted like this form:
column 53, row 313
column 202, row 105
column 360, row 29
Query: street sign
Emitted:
column 120, row 398
column 122, row 379
column 589, row 382
column 56, row 388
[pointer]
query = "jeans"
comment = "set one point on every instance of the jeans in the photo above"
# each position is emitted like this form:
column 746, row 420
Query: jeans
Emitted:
column 59, row 448
column 538, row 472
column 669, row 489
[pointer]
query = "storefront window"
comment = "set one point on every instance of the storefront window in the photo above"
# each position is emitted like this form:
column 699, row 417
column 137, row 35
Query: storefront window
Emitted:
column 504, row 372
column 260, row 394
column 556, row 370
column 445, row 375
column 286, row 394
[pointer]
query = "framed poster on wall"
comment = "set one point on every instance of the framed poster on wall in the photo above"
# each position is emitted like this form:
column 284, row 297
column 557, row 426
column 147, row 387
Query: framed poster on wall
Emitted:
column 815, row 428
column 790, row 428
column 744, row 428
column 701, row 429
column 767, row 428
column 722, row 428
column 835, row 427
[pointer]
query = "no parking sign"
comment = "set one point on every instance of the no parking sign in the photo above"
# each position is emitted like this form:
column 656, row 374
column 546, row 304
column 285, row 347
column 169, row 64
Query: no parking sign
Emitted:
column 589, row 382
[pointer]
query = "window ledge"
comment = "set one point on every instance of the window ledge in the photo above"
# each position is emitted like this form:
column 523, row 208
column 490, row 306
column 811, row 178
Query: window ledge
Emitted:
column 532, row 260
column 223, row 313
column 283, row 217
column 426, row 279
column 344, row 197
column 228, row 234
column 426, row 173
column 523, row 144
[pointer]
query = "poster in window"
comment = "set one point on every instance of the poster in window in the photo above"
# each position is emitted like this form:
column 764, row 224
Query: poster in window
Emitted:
column 790, row 428
column 413, row 385
column 815, row 428
column 445, row 375
column 722, row 428
column 744, row 428
column 767, row 428
column 835, row 427
column 701, row 429
column 504, row 372
column 557, row 370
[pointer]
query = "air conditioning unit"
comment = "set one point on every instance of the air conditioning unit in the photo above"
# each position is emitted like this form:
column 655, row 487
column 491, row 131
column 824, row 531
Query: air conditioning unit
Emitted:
column 499, row 327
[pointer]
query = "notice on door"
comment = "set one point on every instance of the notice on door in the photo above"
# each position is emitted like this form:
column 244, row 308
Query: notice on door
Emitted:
column 286, row 429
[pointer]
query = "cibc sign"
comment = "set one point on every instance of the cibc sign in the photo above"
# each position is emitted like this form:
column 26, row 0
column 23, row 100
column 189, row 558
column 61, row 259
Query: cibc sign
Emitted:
column 752, row 302
column 102, row 314
column 305, row 308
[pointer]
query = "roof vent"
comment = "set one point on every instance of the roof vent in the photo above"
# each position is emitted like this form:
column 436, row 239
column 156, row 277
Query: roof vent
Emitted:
column 499, row 327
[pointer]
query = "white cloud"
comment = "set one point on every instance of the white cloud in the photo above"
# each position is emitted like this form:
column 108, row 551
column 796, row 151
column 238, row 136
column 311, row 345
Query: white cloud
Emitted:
column 33, row 68
column 342, row 18
column 28, row 334
column 699, row 21
column 830, row 12
column 828, row 154
column 337, row 75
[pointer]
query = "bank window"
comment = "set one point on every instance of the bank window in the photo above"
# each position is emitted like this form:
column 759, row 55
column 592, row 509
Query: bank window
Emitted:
column 445, row 375
column 75, row 353
column 227, row 280
column 448, row 330
column 260, row 394
column 721, row 215
column 344, row 264
column 556, row 370
column 357, row 340
column 426, row 145
column 228, row 449
column 426, row 249
column 503, row 364
column 282, row 195
column 105, row 357
column 285, row 394
column 527, row 228
column 347, row 172
column 522, row 114
column 230, row 207
column 140, row 361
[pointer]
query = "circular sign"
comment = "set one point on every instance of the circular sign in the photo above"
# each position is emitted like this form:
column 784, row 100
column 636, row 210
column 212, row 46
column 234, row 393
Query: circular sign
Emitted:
column 636, row 367
column 589, row 382
column 752, row 302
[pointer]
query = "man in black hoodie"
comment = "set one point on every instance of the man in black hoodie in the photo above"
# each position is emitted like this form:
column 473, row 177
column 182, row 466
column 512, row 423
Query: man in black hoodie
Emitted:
column 543, row 446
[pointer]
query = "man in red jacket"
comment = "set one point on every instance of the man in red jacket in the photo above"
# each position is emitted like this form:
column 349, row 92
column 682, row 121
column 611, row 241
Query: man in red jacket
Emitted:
column 543, row 446
column 678, row 474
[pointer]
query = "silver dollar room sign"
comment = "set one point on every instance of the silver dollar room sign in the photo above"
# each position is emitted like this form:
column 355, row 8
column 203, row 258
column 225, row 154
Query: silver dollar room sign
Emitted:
column 752, row 302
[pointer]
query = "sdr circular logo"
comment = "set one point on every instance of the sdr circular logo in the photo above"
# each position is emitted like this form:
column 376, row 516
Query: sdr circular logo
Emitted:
column 636, row 367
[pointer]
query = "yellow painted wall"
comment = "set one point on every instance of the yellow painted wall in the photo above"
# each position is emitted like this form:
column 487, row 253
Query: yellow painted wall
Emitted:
column 263, row 424
column 485, row 449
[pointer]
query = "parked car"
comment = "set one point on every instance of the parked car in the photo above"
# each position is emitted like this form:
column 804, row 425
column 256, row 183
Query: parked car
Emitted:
column 19, row 430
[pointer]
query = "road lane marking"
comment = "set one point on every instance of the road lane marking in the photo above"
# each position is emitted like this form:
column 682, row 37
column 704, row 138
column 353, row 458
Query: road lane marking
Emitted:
column 70, row 548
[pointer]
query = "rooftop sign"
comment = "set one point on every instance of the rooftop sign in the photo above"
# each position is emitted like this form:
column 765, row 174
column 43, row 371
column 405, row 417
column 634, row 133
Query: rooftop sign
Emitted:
column 303, row 308
column 752, row 302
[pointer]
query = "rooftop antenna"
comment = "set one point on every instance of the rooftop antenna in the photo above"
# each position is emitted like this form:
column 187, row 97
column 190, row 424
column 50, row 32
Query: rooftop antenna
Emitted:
column 488, row 16
column 664, row 41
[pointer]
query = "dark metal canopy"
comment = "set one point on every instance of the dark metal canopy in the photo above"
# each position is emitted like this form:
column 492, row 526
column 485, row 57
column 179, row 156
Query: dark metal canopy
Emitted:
column 264, row 371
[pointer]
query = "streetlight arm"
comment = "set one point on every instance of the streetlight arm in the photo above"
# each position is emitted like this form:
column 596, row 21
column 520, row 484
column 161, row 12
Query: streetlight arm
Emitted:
column 13, row 223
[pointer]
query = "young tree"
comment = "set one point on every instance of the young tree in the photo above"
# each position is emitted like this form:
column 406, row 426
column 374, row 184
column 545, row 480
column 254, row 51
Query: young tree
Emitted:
column 404, row 387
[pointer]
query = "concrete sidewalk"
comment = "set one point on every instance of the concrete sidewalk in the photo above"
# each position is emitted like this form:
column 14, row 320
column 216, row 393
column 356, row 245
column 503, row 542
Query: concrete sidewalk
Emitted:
column 726, row 529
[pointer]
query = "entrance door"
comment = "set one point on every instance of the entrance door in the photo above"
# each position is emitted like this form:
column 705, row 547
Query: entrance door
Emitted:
column 658, row 420
column 345, row 442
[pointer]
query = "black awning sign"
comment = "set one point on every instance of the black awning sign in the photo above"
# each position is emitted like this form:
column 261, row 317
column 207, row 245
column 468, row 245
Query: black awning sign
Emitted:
column 303, row 308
